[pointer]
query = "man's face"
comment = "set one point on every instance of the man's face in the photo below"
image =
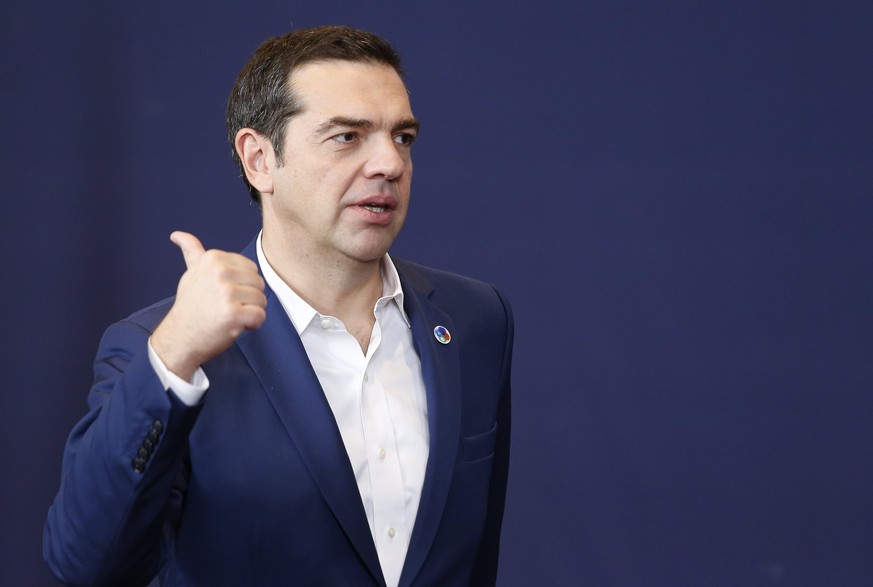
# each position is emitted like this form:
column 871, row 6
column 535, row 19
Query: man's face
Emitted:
column 344, row 186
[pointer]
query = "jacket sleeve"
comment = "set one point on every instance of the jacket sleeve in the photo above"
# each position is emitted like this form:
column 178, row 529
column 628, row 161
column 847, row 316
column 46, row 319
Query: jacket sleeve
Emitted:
column 485, row 571
column 123, row 471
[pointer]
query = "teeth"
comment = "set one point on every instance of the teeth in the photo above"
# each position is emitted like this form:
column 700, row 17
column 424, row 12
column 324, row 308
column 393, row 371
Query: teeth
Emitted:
column 373, row 208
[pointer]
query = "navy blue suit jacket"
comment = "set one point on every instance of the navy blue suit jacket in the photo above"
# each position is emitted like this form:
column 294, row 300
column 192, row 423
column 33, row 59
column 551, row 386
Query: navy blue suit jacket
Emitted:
column 254, row 487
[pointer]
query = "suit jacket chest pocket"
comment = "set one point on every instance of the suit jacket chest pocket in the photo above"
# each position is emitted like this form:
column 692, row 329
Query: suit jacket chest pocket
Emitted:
column 479, row 446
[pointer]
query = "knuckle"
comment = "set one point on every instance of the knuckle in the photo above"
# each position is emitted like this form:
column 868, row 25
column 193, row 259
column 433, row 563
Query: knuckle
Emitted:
column 209, row 256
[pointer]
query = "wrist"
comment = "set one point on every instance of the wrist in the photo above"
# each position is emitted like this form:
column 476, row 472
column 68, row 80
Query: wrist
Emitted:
column 173, row 353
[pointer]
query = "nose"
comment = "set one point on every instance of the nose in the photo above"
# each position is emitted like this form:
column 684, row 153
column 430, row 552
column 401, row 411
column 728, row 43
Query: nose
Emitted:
column 385, row 158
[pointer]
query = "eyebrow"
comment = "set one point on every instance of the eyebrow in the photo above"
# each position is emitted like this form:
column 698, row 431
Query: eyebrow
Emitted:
column 344, row 121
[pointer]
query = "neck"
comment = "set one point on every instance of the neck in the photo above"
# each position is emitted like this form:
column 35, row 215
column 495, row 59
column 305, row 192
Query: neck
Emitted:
column 334, row 284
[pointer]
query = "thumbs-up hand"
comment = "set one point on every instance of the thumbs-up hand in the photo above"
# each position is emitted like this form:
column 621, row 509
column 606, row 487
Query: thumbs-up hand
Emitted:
column 191, row 247
column 219, row 296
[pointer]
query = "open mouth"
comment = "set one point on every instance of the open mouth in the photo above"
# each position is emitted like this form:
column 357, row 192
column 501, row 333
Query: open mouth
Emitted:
column 374, row 208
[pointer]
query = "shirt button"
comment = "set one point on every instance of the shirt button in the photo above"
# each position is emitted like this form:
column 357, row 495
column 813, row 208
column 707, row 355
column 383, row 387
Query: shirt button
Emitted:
column 366, row 377
column 382, row 453
column 325, row 323
column 391, row 532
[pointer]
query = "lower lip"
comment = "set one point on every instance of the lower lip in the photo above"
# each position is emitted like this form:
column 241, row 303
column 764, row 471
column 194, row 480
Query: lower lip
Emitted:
column 381, row 218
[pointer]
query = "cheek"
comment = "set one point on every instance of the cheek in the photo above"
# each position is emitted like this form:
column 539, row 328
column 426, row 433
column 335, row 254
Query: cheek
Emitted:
column 406, row 186
column 334, row 180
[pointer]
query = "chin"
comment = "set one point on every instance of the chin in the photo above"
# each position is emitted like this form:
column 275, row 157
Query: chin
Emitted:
column 370, row 249
column 371, row 256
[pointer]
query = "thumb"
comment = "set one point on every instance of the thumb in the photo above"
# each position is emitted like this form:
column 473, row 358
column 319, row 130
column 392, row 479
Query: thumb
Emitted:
column 191, row 247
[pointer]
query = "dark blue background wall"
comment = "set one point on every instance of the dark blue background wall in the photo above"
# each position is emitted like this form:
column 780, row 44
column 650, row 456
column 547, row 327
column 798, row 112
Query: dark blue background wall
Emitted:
column 676, row 196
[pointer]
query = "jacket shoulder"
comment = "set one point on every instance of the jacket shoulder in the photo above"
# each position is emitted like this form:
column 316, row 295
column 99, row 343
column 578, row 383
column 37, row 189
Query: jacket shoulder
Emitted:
column 150, row 316
column 457, row 294
column 428, row 279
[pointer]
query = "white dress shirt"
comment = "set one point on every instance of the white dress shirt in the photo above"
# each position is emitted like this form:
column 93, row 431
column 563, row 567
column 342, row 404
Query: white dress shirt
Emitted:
column 378, row 400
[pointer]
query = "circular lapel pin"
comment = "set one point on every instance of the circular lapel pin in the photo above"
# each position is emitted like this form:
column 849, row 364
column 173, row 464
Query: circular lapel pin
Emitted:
column 442, row 334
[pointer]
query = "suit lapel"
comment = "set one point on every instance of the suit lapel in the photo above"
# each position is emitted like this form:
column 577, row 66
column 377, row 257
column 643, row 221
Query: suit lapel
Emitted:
column 440, row 369
column 277, row 357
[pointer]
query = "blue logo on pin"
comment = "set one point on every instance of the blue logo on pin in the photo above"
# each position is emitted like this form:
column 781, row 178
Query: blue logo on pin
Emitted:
column 442, row 334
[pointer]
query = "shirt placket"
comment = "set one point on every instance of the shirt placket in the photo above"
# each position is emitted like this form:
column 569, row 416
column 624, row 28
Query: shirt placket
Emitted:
column 389, row 525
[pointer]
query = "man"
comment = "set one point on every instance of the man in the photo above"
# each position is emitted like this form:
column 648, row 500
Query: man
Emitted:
column 311, row 411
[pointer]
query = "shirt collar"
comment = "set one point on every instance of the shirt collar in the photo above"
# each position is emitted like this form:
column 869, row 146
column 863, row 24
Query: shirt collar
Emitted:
column 301, row 313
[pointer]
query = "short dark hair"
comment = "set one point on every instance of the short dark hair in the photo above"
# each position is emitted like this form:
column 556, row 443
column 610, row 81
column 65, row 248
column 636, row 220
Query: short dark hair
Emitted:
column 262, row 97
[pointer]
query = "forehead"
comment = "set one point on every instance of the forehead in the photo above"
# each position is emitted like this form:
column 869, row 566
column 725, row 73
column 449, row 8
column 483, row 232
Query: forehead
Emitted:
column 350, row 88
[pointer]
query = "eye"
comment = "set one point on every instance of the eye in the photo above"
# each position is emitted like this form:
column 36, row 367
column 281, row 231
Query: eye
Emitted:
column 404, row 138
column 346, row 137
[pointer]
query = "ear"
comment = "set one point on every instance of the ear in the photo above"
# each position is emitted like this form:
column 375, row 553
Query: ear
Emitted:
column 256, row 153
